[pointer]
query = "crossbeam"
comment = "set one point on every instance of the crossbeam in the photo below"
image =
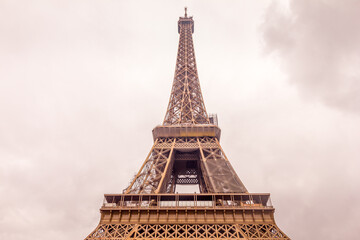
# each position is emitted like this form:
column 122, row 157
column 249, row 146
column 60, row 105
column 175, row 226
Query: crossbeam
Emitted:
column 235, row 201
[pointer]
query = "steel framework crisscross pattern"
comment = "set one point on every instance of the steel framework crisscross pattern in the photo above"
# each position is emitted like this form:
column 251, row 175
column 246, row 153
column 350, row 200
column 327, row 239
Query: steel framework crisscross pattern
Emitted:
column 219, row 171
column 150, row 175
column 216, row 170
column 186, row 105
column 262, row 231
column 187, row 231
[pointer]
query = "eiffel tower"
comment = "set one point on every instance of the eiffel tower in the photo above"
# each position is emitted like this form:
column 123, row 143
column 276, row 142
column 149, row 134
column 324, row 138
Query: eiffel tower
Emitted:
column 187, row 151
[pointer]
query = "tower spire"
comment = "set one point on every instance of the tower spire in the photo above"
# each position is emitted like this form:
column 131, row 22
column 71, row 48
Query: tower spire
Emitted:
column 186, row 104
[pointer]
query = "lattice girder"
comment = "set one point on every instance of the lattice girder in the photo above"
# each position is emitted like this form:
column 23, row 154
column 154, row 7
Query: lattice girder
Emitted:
column 215, row 169
column 186, row 104
column 187, row 231
column 154, row 170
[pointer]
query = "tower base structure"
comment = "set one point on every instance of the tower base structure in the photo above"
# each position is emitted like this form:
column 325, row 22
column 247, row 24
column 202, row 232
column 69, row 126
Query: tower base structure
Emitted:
column 187, row 216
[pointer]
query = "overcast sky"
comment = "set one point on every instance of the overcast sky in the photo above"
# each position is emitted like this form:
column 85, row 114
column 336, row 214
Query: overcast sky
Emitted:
column 83, row 82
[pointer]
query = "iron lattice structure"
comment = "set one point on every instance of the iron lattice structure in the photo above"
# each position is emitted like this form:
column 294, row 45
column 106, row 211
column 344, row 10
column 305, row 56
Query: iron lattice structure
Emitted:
column 187, row 151
column 186, row 105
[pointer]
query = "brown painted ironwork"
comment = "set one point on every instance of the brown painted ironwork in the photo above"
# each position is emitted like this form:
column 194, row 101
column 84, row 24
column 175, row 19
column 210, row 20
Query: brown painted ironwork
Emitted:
column 186, row 105
column 187, row 151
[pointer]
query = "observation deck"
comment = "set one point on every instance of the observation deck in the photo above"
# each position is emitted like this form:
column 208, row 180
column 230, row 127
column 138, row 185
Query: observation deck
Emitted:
column 186, row 20
column 191, row 130
column 187, row 208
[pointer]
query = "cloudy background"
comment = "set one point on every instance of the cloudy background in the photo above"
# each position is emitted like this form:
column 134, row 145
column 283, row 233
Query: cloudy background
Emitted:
column 82, row 84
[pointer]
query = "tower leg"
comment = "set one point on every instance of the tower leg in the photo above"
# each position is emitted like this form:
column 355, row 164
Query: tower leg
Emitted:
column 154, row 174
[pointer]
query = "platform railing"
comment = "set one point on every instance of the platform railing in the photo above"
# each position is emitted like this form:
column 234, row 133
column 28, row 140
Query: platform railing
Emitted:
column 197, row 201
column 184, row 130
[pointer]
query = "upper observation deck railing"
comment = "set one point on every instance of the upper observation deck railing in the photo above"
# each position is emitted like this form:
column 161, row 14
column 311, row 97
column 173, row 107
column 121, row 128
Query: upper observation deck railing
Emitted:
column 188, row 201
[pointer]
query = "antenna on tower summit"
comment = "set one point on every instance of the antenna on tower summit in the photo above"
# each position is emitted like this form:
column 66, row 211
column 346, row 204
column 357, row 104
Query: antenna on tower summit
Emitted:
column 185, row 11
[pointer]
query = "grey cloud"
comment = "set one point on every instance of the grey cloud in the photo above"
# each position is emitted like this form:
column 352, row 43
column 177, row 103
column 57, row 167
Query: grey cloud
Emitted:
column 319, row 45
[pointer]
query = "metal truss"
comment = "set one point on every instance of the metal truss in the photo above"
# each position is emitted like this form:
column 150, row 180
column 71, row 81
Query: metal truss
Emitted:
column 151, row 175
column 215, row 171
column 187, row 231
column 186, row 105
